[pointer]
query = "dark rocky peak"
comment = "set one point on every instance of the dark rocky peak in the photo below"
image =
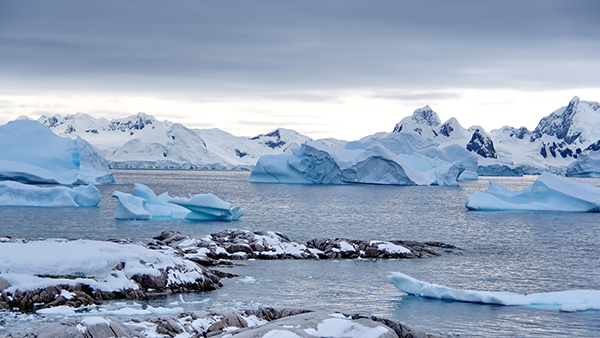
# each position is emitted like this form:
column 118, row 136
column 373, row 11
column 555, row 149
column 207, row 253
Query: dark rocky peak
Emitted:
column 272, row 140
column 423, row 116
column 519, row 133
column 135, row 122
column 559, row 123
column 426, row 116
column 51, row 121
column 481, row 144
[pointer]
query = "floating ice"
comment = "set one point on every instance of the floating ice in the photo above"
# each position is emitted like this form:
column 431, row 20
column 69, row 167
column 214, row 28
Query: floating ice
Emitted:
column 354, row 162
column 548, row 193
column 32, row 153
column 144, row 204
column 19, row 194
column 571, row 300
column 586, row 165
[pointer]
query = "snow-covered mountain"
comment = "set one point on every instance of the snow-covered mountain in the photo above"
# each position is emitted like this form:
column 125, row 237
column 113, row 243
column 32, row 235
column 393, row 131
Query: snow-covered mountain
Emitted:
column 555, row 143
column 141, row 141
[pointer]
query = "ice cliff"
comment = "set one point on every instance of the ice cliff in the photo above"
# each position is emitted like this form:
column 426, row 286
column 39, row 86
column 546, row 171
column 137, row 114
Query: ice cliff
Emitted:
column 354, row 162
column 32, row 153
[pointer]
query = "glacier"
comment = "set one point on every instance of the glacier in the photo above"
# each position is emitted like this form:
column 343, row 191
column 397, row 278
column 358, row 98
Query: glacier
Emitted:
column 568, row 301
column 143, row 204
column 366, row 162
column 25, row 195
column 549, row 192
column 32, row 153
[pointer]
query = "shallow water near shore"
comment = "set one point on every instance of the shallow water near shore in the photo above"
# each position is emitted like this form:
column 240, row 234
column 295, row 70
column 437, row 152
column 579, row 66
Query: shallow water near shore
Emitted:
column 522, row 252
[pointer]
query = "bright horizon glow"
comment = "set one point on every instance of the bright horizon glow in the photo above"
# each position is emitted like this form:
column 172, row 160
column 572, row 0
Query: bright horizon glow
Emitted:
column 348, row 116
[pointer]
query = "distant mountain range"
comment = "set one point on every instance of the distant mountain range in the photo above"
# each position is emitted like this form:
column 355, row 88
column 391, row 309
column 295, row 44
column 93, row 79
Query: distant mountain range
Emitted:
column 141, row 141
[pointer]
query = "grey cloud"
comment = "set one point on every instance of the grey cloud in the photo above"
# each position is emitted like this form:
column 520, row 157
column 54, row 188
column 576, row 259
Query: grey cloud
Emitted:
column 270, row 48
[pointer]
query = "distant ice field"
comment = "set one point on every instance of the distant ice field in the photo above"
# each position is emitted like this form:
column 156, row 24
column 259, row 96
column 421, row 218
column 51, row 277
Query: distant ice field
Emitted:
column 520, row 252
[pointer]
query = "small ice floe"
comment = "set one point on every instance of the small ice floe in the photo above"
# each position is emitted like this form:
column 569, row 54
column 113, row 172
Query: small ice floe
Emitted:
column 143, row 204
column 25, row 195
column 569, row 301
column 548, row 193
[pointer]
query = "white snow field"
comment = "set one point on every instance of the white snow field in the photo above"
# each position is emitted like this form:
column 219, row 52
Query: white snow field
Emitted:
column 25, row 195
column 569, row 301
column 144, row 204
column 88, row 262
column 549, row 192
column 32, row 153
column 366, row 162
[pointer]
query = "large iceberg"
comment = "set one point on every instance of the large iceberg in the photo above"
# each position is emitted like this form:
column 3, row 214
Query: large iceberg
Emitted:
column 570, row 300
column 586, row 165
column 25, row 195
column 32, row 153
column 548, row 193
column 144, row 204
column 366, row 162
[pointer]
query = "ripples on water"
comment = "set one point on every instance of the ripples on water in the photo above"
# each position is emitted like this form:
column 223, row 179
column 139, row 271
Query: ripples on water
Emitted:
column 523, row 252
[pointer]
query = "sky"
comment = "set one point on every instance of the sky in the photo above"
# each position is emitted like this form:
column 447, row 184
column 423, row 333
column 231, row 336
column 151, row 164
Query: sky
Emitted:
column 342, row 69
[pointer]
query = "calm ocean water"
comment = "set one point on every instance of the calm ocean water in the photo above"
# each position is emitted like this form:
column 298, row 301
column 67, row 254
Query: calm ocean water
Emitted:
column 523, row 252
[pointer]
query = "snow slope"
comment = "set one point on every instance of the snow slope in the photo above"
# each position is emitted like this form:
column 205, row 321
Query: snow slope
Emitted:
column 32, row 153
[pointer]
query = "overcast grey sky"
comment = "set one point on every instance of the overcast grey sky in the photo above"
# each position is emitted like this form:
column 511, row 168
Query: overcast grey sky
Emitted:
column 243, row 65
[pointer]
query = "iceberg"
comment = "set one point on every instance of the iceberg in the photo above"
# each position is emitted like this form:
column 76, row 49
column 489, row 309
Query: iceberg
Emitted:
column 32, row 153
column 548, row 193
column 354, row 162
column 25, row 195
column 570, row 300
column 143, row 204
column 586, row 165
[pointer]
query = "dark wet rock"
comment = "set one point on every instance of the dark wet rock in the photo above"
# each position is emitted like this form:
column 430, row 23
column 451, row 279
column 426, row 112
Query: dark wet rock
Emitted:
column 239, row 244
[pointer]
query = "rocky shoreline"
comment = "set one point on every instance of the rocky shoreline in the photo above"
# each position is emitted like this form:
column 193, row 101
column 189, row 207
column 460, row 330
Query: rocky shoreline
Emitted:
column 169, row 263
column 251, row 323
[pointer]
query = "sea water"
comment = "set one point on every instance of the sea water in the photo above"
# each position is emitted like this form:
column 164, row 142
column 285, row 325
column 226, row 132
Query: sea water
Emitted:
column 522, row 252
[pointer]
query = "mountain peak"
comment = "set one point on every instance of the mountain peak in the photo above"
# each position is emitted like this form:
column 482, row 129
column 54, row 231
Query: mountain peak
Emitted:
column 426, row 116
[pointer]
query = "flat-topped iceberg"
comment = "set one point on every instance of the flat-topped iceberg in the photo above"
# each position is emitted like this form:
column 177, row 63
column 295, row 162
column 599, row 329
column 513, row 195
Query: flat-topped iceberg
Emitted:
column 25, row 195
column 570, row 300
column 354, row 162
column 32, row 153
column 548, row 193
column 144, row 204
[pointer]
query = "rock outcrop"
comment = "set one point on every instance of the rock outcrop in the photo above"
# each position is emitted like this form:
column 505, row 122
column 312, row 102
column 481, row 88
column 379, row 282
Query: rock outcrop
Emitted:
column 240, row 244
column 252, row 323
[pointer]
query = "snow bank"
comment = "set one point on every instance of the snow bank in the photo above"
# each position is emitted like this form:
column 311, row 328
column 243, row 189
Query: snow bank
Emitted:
column 104, row 266
column 354, row 162
column 144, row 204
column 572, row 300
column 32, row 153
column 548, row 193
column 18, row 194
